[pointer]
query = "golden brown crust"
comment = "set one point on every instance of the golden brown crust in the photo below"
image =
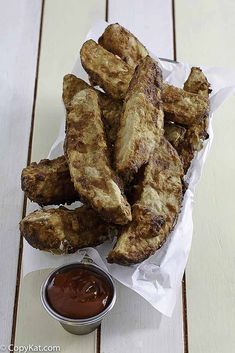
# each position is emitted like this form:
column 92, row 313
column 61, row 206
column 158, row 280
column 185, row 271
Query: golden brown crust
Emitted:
column 114, row 76
column 105, row 69
column 156, row 211
column 71, row 86
column 123, row 43
column 182, row 107
column 111, row 109
column 64, row 231
column 193, row 141
column 141, row 123
column 87, row 156
column 195, row 135
column 48, row 182
column 174, row 133
column 197, row 83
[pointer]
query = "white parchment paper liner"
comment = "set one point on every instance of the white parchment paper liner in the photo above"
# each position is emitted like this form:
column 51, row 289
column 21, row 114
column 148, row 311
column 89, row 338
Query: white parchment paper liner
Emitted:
column 158, row 278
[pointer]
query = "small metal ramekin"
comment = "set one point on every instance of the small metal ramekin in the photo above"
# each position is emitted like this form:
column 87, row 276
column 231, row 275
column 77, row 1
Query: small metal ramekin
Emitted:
column 78, row 326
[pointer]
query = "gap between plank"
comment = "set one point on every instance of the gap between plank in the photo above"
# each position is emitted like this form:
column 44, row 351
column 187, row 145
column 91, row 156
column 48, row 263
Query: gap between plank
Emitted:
column 174, row 29
column 98, row 332
column 18, row 276
column 184, row 293
column 107, row 10
column 98, row 339
column 185, row 316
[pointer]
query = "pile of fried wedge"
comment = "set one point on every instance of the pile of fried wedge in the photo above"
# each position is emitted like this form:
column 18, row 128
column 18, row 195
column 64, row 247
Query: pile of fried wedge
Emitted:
column 130, row 139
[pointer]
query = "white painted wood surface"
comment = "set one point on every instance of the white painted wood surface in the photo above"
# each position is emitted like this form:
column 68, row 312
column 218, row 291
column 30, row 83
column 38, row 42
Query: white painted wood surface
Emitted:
column 205, row 35
column 134, row 326
column 65, row 24
column 19, row 32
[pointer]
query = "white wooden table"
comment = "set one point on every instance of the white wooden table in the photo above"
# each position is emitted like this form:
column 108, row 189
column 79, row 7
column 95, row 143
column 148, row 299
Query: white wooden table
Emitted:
column 39, row 41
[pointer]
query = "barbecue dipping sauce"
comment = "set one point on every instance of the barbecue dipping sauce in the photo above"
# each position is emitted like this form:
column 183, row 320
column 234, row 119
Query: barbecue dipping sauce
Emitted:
column 78, row 293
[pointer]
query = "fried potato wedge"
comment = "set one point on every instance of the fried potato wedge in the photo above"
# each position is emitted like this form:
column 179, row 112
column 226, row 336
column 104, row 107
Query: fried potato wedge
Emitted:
column 71, row 86
column 111, row 109
column 197, row 83
column 105, row 69
column 87, row 156
column 182, row 107
column 141, row 123
column 63, row 231
column 174, row 133
column 114, row 75
column 156, row 211
column 193, row 141
column 48, row 182
column 123, row 43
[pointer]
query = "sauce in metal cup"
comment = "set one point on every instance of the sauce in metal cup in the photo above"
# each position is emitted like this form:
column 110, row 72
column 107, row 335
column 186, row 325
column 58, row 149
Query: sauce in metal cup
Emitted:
column 78, row 295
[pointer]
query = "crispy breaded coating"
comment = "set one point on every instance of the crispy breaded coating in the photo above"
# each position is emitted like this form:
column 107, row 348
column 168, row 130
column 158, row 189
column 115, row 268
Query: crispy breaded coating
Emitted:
column 114, row 76
column 197, row 83
column 174, row 133
column 193, row 142
column 123, row 43
column 64, row 231
column 182, row 107
column 156, row 211
column 48, row 182
column 197, row 132
column 105, row 69
column 87, row 156
column 111, row 109
column 141, row 123
column 71, row 86
column 111, row 129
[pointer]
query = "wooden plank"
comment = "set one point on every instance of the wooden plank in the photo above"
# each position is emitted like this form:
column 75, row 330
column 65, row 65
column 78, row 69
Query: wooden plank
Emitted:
column 205, row 35
column 19, row 32
column 65, row 25
column 134, row 325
